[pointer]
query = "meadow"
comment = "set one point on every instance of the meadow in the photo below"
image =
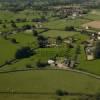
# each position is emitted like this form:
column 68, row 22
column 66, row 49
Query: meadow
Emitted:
column 45, row 81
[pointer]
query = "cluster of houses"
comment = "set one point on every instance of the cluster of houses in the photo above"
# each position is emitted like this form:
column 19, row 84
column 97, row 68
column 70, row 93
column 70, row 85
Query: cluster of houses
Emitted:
column 62, row 63
column 90, row 46
column 70, row 11
column 52, row 42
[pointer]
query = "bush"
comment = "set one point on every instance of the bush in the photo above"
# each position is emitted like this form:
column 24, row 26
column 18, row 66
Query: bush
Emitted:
column 41, row 64
column 28, row 66
column 42, row 41
column 35, row 33
column 14, row 41
column 61, row 93
column 97, row 50
column 69, row 28
column 8, row 62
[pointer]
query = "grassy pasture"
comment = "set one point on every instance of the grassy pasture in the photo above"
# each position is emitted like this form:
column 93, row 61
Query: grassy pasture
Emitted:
column 47, row 81
column 90, row 66
column 62, row 23
column 7, row 50
column 63, row 34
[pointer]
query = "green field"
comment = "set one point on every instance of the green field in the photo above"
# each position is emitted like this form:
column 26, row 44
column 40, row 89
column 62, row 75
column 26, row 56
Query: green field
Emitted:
column 46, row 81
column 63, row 34
column 62, row 23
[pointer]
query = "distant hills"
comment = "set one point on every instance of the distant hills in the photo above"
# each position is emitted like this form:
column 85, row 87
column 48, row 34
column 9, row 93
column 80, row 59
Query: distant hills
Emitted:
column 51, row 1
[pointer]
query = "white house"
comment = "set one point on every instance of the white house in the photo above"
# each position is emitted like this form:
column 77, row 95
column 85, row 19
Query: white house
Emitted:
column 98, row 36
column 51, row 62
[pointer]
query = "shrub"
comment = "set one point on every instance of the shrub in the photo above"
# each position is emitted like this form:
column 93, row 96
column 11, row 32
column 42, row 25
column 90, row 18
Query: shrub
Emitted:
column 61, row 93
column 41, row 64
column 28, row 66
column 69, row 28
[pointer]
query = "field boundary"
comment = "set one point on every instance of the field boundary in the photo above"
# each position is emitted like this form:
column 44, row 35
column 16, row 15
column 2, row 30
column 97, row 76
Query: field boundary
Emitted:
column 67, row 69
column 47, row 93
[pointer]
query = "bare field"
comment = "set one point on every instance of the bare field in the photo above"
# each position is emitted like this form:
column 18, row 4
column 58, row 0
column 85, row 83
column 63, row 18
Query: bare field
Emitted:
column 93, row 24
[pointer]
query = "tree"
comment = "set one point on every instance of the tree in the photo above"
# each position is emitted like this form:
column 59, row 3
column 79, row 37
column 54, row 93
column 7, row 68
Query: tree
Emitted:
column 1, row 22
column 59, row 40
column 5, row 35
column 42, row 41
column 35, row 33
column 41, row 64
column 28, row 66
column 69, row 28
column 4, row 26
column 97, row 50
column 14, row 25
column 14, row 40
column 24, row 52
column 61, row 93
column 25, row 27
column 97, row 96
column 43, row 18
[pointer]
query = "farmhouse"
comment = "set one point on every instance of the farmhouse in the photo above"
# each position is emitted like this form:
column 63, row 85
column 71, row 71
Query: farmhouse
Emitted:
column 51, row 42
column 51, row 62
column 90, row 53
column 98, row 35
column 38, row 25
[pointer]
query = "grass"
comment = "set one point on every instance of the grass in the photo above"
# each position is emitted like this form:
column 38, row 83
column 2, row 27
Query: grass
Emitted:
column 90, row 66
column 92, row 17
column 34, row 97
column 48, row 81
column 29, row 14
column 41, row 54
column 63, row 34
column 24, row 39
column 62, row 23
column 7, row 50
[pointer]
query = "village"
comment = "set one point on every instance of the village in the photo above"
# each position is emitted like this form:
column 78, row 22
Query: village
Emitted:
column 69, row 42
